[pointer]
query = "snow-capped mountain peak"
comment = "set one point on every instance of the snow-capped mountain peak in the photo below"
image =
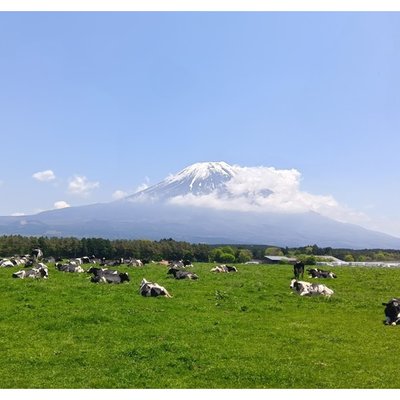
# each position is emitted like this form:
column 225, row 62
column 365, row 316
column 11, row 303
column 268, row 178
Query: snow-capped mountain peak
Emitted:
column 197, row 179
column 202, row 171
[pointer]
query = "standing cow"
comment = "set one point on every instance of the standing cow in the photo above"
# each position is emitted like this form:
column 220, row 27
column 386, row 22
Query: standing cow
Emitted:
column 298, row 269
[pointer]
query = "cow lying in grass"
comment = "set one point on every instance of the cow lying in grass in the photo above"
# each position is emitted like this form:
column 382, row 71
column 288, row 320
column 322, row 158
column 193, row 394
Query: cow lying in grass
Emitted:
column 104, row 275
column 69, row 268
column 40, row 271
column 320, row 273
column 310, row 289
column 101, row 271
column 152, row 289
column 111, row 278
column 224, row 268
column 180, row 274
column 392, row 312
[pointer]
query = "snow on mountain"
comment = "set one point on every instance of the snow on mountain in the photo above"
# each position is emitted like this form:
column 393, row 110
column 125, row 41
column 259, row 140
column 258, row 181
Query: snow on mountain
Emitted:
column 199, row 179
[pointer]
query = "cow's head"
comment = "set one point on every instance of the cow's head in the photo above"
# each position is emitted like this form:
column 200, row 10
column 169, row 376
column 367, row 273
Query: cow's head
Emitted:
column 293, row 284
column 124, row 277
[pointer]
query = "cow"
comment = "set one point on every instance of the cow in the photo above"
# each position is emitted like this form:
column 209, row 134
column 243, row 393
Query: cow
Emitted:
column 37, row 254
column 303, row 288
column 69, row 268
column 320, row 273
column 35, row 273
column 298, row 269
column 187, row 263
column 180, row 274
column 392, row 312
column 101, row 271
column 150, row 289
column 135, row 263
column 6, row 263
column 224, row 268
column 111, row 278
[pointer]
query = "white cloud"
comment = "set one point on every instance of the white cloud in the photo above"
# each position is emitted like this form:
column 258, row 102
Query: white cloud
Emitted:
column 250, row 190
column 119, row 194
column 60, row 204
column 143, row 185
column 17, row 214
column 81, row 186
column 44, row 176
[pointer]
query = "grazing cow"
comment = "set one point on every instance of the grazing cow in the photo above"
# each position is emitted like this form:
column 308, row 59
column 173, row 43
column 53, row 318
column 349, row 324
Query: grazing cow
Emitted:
column 392, row 312
column 224, row 268
column 320, row 273
column 69, row 268
column 111, row 278
column 298, row 269
column 179, row 274
column 310, row 289
column 150, row 289
column 40, row 272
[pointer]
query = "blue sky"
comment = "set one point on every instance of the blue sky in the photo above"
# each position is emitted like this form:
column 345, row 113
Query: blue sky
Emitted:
column 109, row 102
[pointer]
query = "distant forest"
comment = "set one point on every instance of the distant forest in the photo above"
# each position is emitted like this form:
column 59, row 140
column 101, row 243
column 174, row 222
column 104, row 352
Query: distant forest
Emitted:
column 169, row 249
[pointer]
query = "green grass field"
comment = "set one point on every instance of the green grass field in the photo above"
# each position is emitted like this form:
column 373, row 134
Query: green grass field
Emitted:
column 244, row 330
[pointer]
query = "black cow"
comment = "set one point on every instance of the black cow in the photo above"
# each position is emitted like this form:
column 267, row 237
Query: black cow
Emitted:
column 179, row 274
column 111, row 278
column 298, row 269
column 392, row 312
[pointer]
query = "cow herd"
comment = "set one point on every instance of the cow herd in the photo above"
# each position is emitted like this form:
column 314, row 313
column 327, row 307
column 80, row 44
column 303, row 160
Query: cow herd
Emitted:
column 100, row 271
column 35, row 269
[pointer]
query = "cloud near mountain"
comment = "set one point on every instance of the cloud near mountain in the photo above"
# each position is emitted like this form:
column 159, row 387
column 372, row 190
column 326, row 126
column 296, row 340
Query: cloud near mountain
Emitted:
column 266, row 189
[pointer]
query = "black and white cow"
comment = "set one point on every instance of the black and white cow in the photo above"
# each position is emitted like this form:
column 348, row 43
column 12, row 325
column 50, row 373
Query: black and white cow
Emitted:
column 224, row 268
column 101, row 271
column 111, row 278
column 134, row 262
column 6, row 263
column 320, row 273
column 37, row 254
column 41, row 271
column 180, row 274
column 303, row 288
column 152, row 289
column 69, row 267
column 392, row 312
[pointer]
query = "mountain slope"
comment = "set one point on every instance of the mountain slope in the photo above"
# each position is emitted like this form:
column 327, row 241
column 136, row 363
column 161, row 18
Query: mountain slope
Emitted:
column 150, row 214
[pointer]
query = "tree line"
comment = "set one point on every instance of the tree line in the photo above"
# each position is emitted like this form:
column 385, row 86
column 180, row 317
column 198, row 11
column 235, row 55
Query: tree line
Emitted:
column 169, row 249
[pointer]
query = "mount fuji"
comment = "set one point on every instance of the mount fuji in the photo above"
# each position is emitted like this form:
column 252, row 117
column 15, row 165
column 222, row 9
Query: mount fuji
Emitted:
column 209, row 202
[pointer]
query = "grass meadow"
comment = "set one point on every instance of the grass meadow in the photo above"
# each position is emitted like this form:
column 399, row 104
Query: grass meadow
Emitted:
column 244, row 330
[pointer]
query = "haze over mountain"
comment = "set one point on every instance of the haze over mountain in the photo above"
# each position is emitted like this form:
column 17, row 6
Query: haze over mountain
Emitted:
column 210, row 202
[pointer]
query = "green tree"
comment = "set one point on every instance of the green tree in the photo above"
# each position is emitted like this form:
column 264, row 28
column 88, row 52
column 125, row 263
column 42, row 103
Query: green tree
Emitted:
column 348, row 258
column 243, row 255
column 273, row 251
